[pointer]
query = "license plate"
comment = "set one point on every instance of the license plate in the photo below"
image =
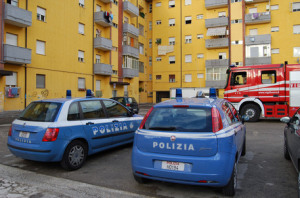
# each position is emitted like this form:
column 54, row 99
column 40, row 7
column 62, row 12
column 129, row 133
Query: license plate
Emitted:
column 24, row 134
column 176, row 166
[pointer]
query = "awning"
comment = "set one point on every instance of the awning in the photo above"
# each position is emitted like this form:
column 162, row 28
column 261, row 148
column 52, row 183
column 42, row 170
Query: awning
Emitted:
column 6, row 73
column 218, row 31
column 119, row 83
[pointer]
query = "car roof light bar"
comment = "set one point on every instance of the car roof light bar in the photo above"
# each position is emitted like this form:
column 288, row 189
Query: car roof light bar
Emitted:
column 68, row 93
column 212, row 92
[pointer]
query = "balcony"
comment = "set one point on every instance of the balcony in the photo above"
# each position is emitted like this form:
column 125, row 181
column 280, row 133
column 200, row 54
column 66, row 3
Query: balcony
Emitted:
column 219, row 84
column 101, row 20
column 130, row 51
column 102, row 44
column 17, row 16
column 131, row 9
column 127, row 28
column 16, row 55
column 105, row 1
column 258, row 39
column 211, row 4
column 130, row 73
column 103, row 69
column 216, row 43
column 217, row 63
column 257, row 18
column 216, row 22
column 258, row 61
column 255, row 1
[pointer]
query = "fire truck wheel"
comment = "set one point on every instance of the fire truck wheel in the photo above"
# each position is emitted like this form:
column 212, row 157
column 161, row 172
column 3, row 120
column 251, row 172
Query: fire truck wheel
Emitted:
column 252, row 111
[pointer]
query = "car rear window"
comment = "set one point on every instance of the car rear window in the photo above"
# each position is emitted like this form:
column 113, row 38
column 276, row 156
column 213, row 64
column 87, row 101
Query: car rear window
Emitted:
column 40, row 112
column 180, row 119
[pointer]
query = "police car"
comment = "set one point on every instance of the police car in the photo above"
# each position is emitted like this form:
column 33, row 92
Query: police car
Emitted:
column 195, row 141
column 66, row 130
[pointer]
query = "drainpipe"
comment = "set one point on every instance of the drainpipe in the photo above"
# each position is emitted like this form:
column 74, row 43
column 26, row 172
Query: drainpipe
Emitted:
column 25, row 89
column 181, row 44
column 2, row 7
column 120, row 39
column 93, row 49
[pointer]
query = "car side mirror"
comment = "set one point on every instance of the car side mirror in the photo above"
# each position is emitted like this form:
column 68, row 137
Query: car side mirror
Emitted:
column 130, row 113
column 245, row 118
column 285, row 120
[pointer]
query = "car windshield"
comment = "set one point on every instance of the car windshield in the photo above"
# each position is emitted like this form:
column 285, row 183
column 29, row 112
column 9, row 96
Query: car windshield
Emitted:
column 40, row 112
column 180, row 119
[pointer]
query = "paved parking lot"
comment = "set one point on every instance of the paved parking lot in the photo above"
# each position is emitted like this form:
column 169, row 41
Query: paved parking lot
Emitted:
column 263, row 172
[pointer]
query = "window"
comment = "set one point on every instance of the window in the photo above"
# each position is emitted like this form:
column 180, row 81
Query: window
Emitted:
column 253, row 32
column 172, row 78
column 188, row 39
column 158, row 41
column 81, row 28
column 41, row 14
column 150, row 43
column 252, row 10
column 296, row 6
column 11, row 39
column 13, row 2
column 114, row 109
column 235, row 1
column 199, row 36
column 141, row 67
column 188, row 78
column 158, row 22
column 296, row 29
column 228, row 115
column 150, row 60
column 115, row 25
column 238, row 78
column 258, row 51
column 98, row 8
column 222, row 55
column 158, row 4
column 200, row 16
column 275, row 51
column 74, row 113
column 98, row 58
column 11, row 81
column 171, row 3
column 171, row 22
column 236, row 21
column 141, row 30
column 274, row 7
column 40, row 81
column 150, row 76
column 222, row 14
column 188, row 2
column 150, row 25
column 98, row 85
column 158, row 59
column 115, row 72
column 131, row 63
column 92, row 109
column 171, row 40
column 216, row 73
column 158, row 77
column 40, row 47
column 200, row 75
column 81, row 83
column 126, row 20
column 80, row 56
column 172, row 59
column 268, row 77
column 296, row 51
column 81, row 3
column 188, row 58
column 200, row 55
column 150, row 8
column 274, row 29
column 237, row 42
column 115, row 2
column 188, row 20
column 141, row 48
column 238, row 63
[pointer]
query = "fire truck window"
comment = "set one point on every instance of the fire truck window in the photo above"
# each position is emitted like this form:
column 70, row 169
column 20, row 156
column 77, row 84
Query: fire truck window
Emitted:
column 238, row 78
column 268, row 77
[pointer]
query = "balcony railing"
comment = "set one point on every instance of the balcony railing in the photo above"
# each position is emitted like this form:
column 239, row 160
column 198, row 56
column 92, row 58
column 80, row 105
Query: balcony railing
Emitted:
column 101, row 20
column 130, row 29
column 211, row 4
column 217, row 63
column 103, row 69
column 216, row 22
column 17, row 55
column 130, row 73
column 216, row 43
column 256, row 18
column 258, row 39
column 258, row 61
column 130, row 51
column 131, row 9
column 102, row 43
column 17, row 16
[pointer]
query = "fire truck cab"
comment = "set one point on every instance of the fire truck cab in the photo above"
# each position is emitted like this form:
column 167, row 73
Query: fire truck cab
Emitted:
column 264, row 90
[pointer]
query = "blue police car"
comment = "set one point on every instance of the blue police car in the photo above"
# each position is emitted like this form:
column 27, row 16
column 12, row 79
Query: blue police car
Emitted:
column 67, row 130
column 195, row 141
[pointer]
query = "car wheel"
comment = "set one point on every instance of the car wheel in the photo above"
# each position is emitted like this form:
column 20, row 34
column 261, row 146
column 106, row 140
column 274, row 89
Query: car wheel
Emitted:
column 230, row 188
column 244, row 147
column 74, row 156
column 285, row 151
column 252, row 111
column 140, row 180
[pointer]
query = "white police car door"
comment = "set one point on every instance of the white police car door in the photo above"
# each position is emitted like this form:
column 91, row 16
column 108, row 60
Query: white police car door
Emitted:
column 124, row 125
column 96, row 126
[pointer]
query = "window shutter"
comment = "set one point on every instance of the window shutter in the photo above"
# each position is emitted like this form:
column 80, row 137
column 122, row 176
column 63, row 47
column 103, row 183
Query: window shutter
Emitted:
column 172, row 58
column 81, row 2
column 81, row 83
column 98, row 85
column 188, row 2
column 81, row 28
column 11, row 80
column 171, row 3
column 171, row 21
column 11, row 39
column 296, row 29
column 188, row 58
column 189, row 18
column 188, row 78
column 41, row 11
column 40, row 47
column 40, row 81
column 296, row 6
column 80, row 54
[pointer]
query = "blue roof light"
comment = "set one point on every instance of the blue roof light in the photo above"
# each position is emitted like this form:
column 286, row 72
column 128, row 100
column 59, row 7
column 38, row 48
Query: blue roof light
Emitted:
column 68, row 93
column 212, row 92
column 178, row 93
column 200, row 94
column 89, row 93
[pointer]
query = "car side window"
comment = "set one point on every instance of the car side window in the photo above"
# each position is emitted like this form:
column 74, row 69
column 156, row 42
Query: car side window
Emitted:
column 229, row 116
column 296, row 118
column 74, row 113
column 114, row 109
column 234, row 111
column 92, row 109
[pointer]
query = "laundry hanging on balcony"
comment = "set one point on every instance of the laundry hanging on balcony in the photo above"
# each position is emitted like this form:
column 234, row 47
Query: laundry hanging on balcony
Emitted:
column 217, row 31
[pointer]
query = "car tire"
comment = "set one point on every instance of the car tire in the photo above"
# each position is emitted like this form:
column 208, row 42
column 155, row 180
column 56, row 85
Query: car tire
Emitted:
column 230, row 188
column 244, row 147
column 252, row 111
column 140, row 180
column 74, row 155
column 285, row 151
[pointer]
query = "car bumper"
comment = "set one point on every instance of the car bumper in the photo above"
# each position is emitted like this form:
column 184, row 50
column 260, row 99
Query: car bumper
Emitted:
column 212, row 171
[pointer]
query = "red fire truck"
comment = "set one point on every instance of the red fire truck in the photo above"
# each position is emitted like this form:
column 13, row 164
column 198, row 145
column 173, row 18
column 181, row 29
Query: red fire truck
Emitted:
column 264, row 90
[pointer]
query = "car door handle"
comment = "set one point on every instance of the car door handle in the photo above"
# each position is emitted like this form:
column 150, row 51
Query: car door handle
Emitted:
column 89, row 123
column 115, row 121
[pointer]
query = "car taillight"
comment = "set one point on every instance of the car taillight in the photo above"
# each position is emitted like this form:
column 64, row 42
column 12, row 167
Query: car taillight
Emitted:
column 216, row 120
column 9, row 132
column 128, row 105
column 51, row 135
column 145, row 118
